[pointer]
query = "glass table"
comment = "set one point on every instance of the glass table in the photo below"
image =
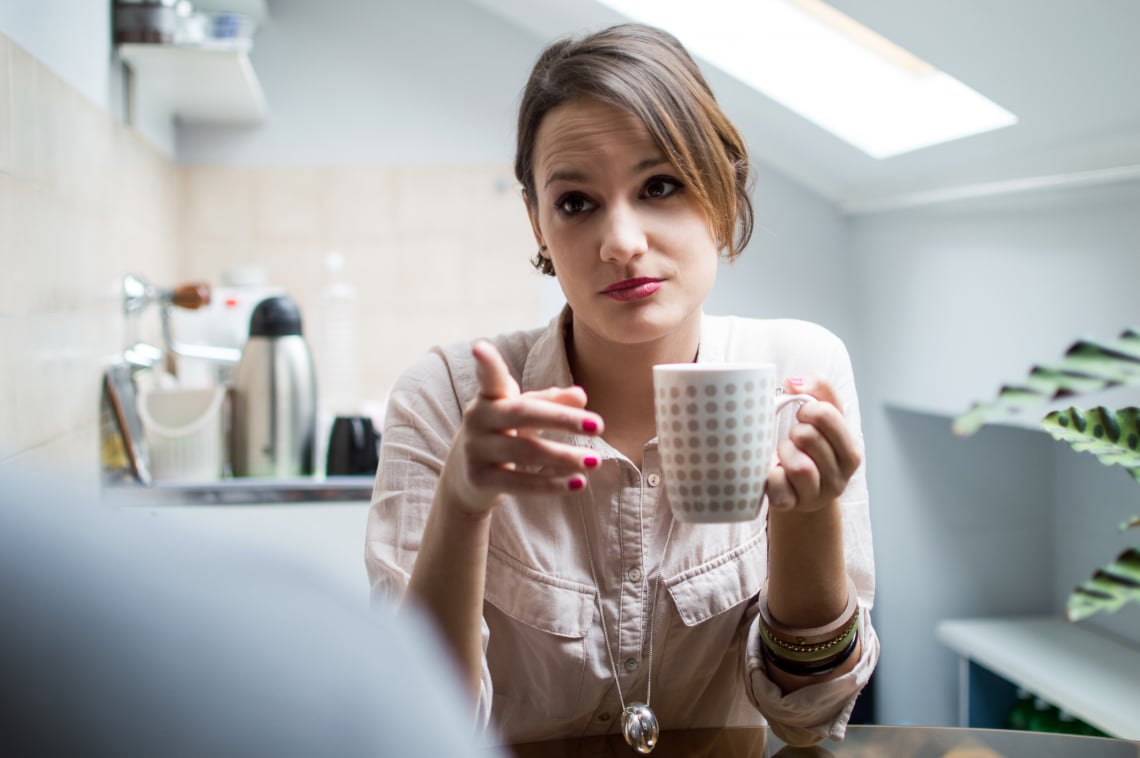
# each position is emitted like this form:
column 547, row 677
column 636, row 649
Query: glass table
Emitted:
column 861, row 742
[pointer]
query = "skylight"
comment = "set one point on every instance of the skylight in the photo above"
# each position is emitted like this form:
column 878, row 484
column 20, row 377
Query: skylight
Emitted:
column 828, row 68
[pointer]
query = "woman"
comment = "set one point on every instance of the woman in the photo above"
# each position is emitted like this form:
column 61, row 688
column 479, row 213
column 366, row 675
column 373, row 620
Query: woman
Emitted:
column 518, row 493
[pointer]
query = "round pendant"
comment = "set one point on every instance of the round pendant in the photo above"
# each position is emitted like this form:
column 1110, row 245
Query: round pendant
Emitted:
column 639, row 727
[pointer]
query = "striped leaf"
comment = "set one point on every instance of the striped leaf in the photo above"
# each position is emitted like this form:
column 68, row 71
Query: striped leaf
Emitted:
column 1112, row 436
column 1087, row 366
column 1109, row 589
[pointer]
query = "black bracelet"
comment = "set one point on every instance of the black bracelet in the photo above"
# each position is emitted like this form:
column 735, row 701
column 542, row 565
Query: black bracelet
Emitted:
column 799, row 669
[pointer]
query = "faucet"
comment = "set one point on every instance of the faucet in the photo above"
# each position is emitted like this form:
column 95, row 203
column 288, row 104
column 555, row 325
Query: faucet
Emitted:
column 138, row 293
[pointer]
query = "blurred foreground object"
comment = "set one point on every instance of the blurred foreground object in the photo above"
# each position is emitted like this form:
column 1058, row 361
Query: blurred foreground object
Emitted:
column 121, row 637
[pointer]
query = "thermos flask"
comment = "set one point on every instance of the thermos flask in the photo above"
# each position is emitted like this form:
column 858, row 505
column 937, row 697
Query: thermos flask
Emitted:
column 274, row 396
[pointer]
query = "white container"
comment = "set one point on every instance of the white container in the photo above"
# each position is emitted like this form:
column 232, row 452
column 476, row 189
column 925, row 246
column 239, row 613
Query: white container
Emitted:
column 185, row 433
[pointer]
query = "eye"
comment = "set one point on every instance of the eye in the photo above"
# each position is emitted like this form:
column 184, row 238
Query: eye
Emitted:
column 661, row 187
column 573, row 203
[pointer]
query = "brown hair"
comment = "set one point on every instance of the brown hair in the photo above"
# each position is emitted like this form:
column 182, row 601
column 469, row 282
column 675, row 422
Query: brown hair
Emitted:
column 647, row 72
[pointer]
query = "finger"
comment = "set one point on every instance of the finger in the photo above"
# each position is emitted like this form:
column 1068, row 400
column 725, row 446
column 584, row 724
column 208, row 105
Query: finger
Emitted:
column 532, row 452
column 815, row 386
column 781, row 495
column 575, row 396
column 800, row 471
column 833, row 426
column 814, row 444
column 495, row 380
column 513, row 482
column 527, row 412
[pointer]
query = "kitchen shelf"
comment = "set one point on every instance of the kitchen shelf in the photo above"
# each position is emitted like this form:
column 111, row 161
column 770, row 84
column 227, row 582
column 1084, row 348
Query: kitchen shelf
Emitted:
column 1088, row 674
column 196, row 85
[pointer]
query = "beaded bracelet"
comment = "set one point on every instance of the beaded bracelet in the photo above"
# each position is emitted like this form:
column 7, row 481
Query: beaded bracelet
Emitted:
column 819, row 669
column 811, row 635
column 810, row 654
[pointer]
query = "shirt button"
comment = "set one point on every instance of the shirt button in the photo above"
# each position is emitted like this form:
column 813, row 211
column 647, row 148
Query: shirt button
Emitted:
column 634, row 575
column 604, row 717
column 631, row 664
column 653, row 480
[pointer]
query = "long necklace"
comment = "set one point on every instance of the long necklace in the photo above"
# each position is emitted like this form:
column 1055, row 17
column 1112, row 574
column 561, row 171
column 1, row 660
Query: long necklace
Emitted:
column 638, row 722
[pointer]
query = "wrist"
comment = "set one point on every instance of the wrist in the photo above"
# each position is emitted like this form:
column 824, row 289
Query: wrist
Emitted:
column 820, row 513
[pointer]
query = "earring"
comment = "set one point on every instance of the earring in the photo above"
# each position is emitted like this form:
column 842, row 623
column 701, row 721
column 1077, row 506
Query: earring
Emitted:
column 541, row 249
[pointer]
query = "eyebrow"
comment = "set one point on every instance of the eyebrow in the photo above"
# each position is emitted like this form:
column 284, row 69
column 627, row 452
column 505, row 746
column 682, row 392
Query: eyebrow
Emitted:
column 578, row 176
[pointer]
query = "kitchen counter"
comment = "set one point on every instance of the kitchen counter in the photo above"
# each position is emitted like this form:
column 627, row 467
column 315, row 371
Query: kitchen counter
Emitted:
column 243, row 491
column 316, row 523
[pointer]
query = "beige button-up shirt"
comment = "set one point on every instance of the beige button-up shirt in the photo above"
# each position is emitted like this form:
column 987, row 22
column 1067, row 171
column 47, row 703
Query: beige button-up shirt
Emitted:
column 547, row 672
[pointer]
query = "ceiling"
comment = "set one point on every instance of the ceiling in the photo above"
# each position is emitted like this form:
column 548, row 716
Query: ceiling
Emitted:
column 1069, row 70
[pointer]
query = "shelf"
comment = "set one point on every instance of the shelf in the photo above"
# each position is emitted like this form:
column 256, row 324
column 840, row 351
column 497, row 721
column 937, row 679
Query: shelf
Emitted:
column 195, row 85
column 255, row 9
column 1090, row 675
column 1029, row 417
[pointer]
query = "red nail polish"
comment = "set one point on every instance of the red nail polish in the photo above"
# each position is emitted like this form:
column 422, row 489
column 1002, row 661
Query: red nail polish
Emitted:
column 576, row 483
column 590, row 461
column 589, row 425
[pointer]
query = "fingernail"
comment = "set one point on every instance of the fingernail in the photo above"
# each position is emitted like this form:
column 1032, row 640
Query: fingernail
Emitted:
column 590, row 461
column 576, row 483
column 589, row 425
column 796, row 381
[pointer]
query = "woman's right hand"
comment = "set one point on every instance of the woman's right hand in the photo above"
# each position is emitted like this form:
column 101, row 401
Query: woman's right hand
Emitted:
column 500, row 448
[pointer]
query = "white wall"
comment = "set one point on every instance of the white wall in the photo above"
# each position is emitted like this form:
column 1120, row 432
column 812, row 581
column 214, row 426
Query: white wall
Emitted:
column 70, row 37
column 350, row 81
column 954, row 301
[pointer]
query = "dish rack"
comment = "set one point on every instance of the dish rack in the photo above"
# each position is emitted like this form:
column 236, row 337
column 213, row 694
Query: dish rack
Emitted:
column 160, row 433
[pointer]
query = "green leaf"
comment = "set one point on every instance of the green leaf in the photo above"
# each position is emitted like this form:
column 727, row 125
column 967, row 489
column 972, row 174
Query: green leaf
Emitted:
column 1012, row 402
column 1112, row 436
column 1109, row 589
column 1087, row 366
column 1113, row 362
column 1056, row 383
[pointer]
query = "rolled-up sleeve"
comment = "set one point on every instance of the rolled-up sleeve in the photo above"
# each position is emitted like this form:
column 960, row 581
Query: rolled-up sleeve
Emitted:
column 818, row 711
column 821, row 711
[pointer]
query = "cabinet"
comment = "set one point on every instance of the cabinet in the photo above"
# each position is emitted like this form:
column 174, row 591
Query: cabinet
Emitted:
column 1091, row 675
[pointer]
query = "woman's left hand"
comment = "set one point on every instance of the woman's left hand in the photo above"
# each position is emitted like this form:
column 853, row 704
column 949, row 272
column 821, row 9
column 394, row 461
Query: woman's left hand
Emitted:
column 818, row 458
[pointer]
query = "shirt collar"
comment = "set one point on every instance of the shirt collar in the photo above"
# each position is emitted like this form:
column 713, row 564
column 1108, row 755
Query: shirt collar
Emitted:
column 547, row 365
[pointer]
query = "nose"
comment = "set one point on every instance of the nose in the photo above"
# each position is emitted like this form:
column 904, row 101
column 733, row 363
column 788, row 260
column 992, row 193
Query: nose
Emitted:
column 623, row 236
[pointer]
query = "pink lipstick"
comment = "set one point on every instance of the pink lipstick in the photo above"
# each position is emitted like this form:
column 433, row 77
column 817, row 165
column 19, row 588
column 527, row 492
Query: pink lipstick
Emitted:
column 633, row 289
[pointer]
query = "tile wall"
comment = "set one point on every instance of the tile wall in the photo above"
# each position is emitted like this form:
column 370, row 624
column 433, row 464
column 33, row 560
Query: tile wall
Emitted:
column 82, row 201
column 437, row 253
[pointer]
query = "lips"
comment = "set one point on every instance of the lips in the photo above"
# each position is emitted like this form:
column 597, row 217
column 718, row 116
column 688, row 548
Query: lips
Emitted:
column 638, row 288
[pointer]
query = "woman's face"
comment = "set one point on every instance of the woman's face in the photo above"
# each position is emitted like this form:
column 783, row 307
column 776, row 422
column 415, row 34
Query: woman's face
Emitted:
column 631, row 247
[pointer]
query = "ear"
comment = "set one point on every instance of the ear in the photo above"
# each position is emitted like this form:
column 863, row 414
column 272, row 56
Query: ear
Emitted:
column 532, row 214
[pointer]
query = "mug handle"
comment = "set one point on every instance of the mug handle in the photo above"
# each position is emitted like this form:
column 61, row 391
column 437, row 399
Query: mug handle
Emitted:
column 783, row 400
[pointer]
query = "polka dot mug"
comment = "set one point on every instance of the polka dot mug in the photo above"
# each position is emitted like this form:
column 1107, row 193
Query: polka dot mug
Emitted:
column 716, row 432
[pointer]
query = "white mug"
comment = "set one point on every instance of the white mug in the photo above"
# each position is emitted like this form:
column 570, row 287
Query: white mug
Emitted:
column 716, row 433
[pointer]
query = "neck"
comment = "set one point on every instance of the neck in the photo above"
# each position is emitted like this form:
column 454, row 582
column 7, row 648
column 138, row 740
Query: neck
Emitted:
column 618, row 379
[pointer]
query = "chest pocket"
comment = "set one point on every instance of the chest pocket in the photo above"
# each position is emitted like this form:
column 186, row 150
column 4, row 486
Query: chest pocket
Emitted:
column 724, row 582
column 536, row 652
